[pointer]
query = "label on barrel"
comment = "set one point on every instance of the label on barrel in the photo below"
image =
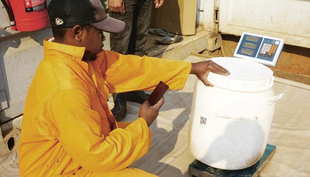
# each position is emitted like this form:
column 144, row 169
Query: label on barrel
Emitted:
column 203, row 120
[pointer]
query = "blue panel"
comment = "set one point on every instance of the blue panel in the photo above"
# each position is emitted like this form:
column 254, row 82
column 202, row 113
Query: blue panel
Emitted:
column 258, row 48
column 249, row 45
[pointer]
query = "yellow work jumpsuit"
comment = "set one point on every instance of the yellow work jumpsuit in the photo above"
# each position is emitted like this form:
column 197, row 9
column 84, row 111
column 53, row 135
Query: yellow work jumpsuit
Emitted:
column 68, row 128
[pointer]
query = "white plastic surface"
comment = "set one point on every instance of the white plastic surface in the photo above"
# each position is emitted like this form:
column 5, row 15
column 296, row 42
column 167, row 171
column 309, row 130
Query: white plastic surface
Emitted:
column 228, row 129
column 230, row 122
column 245, row 76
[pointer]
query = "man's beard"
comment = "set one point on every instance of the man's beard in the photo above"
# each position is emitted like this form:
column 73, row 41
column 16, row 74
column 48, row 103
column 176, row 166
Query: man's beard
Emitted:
column 93, row 58
column 88, row 56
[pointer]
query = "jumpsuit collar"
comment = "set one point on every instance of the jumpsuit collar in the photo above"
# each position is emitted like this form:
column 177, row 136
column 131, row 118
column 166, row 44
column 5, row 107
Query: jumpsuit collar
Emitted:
column 76, row 52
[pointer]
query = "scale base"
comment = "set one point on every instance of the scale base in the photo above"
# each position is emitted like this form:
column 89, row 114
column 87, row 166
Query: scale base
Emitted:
column 199, row 169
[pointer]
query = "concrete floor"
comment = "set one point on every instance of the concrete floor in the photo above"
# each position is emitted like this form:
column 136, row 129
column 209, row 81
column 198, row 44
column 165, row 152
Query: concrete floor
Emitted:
column 169, row 155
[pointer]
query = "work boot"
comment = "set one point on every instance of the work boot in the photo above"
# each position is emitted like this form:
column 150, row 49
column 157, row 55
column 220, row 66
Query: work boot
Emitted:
column 136, row 96
column 120, row 102
column 120, row 108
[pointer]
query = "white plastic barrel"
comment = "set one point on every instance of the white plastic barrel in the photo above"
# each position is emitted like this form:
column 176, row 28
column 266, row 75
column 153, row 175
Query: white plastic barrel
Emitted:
column 230, row 122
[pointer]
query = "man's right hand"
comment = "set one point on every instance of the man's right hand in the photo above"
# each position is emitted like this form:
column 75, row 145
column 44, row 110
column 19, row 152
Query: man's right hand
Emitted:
column 117, row 6
column 149, row 113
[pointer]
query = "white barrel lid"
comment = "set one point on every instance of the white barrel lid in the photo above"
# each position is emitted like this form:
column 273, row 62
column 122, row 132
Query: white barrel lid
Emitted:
column 245, row 75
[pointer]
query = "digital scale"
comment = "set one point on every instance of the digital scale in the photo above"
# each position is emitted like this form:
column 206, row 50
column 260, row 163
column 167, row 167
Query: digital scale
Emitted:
column 199, row 169
column 264, row 50
column 258, row 48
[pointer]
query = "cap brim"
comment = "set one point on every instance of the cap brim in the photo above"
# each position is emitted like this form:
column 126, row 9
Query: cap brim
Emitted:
column 110, row 25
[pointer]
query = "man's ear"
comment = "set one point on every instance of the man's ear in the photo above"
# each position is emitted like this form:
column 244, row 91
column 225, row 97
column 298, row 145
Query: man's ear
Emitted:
column 77, row 33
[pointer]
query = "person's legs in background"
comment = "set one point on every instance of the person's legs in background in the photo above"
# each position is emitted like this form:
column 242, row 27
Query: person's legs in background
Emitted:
column 131, row 41
column 140, row 26
column 119, row 42
column 143, row 26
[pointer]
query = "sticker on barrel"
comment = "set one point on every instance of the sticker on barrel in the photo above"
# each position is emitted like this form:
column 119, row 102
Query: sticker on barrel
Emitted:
column 203, row 121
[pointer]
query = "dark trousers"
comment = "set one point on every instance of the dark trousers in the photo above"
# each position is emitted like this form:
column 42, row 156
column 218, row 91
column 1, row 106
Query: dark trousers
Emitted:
column 120, row 41
column 131, row 41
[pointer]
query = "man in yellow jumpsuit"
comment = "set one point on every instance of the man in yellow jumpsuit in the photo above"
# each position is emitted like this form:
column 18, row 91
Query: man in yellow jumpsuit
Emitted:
column 68, row 128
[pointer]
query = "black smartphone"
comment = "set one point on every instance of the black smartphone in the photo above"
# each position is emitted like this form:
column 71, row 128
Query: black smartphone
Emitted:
column 157, row 93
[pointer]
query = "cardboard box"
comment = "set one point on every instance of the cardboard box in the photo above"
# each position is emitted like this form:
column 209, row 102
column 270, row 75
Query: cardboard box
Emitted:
column 177, row 16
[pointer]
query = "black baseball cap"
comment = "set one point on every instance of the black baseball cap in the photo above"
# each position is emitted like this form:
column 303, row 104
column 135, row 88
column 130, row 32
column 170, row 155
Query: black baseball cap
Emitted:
column 68, row 13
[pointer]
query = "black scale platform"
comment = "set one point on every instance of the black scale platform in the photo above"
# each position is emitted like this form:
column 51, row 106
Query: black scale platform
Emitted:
column 199, row 169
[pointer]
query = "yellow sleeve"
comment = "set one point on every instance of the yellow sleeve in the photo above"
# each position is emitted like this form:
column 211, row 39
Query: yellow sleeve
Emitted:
column 79, row 132
column 128, row 72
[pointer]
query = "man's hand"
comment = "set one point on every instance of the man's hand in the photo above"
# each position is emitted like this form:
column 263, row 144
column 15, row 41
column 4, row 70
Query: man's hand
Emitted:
column 117, row 6
column 158, row 3
column 202, row 69
column 149, row 113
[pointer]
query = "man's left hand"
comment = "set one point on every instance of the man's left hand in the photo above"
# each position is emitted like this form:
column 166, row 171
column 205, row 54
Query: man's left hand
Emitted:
column 202, row 69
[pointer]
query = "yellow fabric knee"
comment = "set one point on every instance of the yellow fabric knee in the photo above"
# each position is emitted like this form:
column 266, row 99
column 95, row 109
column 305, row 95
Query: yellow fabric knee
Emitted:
column 127, row 172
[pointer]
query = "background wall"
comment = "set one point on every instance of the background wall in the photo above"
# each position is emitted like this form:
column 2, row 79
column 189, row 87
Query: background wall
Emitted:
column 288, row 20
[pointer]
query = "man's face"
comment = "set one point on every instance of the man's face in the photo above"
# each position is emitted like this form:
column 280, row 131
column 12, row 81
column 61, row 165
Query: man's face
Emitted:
column 94, row 42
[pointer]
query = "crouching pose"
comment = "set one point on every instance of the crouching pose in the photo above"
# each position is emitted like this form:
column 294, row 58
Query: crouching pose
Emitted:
column 68, row 128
